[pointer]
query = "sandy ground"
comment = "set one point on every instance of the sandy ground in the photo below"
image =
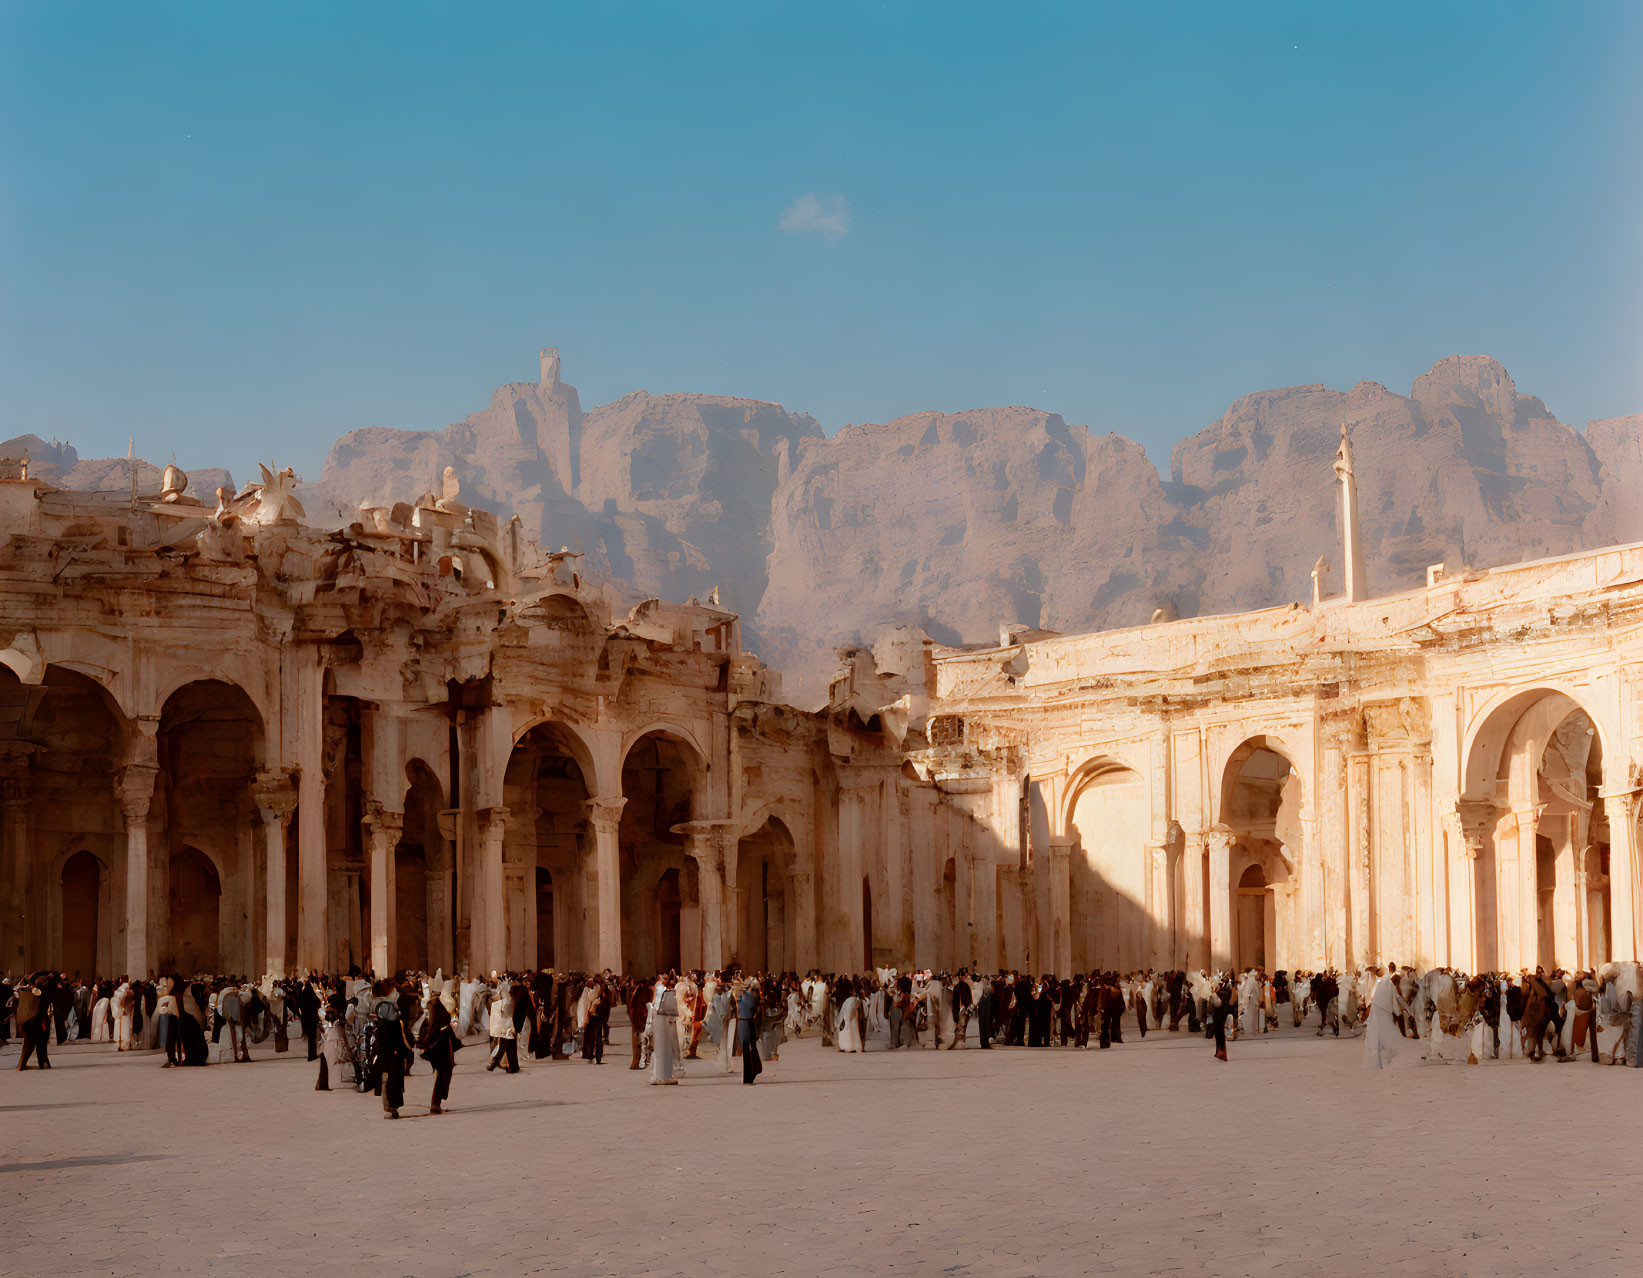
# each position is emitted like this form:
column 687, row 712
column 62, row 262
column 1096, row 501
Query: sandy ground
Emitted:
column 1151, row 1158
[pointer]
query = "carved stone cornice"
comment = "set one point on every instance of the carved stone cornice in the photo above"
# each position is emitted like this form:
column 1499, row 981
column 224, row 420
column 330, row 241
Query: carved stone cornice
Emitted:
column 605, row 813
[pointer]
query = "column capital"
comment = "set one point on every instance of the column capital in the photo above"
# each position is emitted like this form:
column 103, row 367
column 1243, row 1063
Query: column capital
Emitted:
column 1218, row 838
column 274, row 791
column 1061, row 846
column 135, row 786
column 379, row 822
column 605, row 812
column 492, row 820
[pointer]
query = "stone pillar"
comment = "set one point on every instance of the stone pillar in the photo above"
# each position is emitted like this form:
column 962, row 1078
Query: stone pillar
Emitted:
column 275, row 792
column 1522, row 824
column 136, row 789
column 382, row 829
column 1195, row 947
column 1220, row 897
column 490, row 939
column 14, row 864
column 1623, row 872
column 302, row 695
column 1060, row 953
column 604, row 883
column 704, row 843
column 984, row 904
column 801, row 917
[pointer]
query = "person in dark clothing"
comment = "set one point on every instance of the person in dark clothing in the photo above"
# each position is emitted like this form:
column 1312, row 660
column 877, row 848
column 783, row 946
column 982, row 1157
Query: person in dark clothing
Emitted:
column 638, row 1016
column 1111, row 1008
column 62, row 1003
column 593, row 1033
column 34, row 1019
column 1141, row 1009
column 308, row 1011
column 439, row 1045
column 192, row 1010
column 1176, row 984
column 747, row 1031
column 985, row 1006
column 1220, row 1009
column 391, row 1055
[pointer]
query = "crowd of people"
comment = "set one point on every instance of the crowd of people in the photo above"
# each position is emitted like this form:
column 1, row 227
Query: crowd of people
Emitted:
column 367, row 1033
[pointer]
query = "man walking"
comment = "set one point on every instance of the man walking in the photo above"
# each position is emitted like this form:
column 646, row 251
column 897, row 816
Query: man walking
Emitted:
column 747, row 1030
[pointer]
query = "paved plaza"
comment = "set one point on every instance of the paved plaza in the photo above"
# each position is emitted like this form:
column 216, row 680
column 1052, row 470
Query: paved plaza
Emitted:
column 1151, row 1158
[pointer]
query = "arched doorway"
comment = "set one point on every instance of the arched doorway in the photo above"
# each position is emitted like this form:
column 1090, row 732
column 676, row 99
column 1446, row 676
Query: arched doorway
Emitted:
column 659, row 779
column 669, row 900
column 82, row 890
column 1111, row 928
column 410, row 909
column 764, row 860
column 1534, row 808
column 1261, row 798
column 194, row 900
column 544, row 918
column 423, row 899
column 1254, row 902
column 547, row 775
column 60, row 740
column 209, row 741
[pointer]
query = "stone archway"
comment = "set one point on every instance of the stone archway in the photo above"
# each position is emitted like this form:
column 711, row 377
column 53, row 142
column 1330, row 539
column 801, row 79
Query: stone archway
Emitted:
column 1539, row 837
column 1256, row 848
column 546, row 790
column 61, row 744
column 1251, row 920
column 193, row 914
column 423, row 901
column 1109, row 817
column 764, row 864
column 660, row 776
column 209, row 742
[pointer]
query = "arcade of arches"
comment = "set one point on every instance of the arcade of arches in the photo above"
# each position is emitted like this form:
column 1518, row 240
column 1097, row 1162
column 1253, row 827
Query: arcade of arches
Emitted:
column 296, row 748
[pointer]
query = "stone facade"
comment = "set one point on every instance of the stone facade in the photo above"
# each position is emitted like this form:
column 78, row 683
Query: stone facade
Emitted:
column 232, row 740
column 1443, row 776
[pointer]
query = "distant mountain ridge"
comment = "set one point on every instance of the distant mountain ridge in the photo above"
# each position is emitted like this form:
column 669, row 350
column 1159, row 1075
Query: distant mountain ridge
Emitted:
column 959, row 522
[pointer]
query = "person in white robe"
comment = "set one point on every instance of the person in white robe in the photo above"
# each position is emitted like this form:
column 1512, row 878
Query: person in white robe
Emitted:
column 1381, row 1040
column 125, row 999
column 938, row 1009
column 664, row 1020
column 847, row 1031
column 1250, row 1020
column 102, row 1022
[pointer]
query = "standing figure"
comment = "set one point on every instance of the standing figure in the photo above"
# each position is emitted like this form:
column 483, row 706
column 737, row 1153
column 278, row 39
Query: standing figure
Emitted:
column 393, row 1054
column 664, row 1023
column 439, row 1045
column 747, row 1031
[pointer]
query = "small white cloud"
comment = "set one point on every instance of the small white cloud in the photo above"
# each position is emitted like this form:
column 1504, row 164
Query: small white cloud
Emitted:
column 825, row 215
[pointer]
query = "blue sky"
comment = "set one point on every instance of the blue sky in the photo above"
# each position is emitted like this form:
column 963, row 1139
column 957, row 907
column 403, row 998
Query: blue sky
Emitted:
column 238, row 230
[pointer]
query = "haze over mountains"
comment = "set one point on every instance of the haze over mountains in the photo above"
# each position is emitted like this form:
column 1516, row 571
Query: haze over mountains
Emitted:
column 959, row 522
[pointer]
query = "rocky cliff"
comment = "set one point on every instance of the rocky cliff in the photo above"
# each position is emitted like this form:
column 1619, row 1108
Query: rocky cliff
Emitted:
column 958, row 523
column 61, row 465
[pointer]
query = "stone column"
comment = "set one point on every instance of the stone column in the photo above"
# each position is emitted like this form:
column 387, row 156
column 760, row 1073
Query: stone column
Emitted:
column 1524, row 823
column 1060, row 953
column 1220, row 897
column 302, row 696
column 704, row 843
column 275, row 792
column 14, row 795
column 1623, row 872
column 802, row 920
column 604, row 883
column 136, row 789
column 490, row 940
column 382, row 829
column 1194, row 948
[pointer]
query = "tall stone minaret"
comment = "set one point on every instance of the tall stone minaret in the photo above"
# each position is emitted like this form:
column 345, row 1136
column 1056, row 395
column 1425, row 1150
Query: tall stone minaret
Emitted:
column 1357, row 584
